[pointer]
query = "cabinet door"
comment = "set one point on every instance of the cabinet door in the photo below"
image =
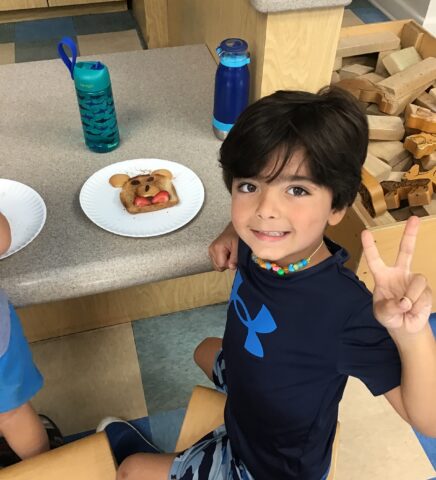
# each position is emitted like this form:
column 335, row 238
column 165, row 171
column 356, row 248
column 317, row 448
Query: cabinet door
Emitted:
column 61, row 3
column 7, row 5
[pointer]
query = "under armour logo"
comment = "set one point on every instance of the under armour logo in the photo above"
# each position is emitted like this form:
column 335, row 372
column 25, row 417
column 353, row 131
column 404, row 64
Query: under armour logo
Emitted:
column 262, row 323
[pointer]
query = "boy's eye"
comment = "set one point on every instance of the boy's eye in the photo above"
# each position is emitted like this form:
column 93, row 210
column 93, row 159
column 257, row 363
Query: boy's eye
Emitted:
column 297, row 191
column 246, row 187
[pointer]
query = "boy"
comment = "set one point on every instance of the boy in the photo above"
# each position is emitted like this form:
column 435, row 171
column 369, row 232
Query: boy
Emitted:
column 26, row 433
column 299, row 323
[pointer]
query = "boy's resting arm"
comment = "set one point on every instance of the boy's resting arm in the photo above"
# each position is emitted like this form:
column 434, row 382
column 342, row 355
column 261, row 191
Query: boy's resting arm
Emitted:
column 415, row 399
column 402, row 302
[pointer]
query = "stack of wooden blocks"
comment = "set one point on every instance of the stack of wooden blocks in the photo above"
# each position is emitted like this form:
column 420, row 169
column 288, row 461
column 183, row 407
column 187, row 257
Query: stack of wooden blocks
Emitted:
column 397, row 88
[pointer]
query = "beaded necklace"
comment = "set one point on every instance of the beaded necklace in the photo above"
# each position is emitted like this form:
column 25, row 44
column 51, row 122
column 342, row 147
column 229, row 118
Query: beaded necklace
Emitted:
column 292, row 267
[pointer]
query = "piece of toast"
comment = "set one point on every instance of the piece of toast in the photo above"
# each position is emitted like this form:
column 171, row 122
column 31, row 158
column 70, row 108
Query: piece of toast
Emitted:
column 148, row 186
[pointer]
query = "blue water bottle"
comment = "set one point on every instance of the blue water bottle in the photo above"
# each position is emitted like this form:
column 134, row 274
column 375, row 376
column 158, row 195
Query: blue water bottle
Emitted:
column 232, row 85
column 95, row 99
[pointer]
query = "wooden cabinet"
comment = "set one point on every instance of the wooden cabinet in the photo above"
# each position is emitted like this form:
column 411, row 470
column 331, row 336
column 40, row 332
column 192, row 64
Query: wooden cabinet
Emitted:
column 62, row 3
column 18, row 10
column 8, row 5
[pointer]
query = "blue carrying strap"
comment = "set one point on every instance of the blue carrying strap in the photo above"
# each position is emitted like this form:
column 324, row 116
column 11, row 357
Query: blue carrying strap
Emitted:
column 67, row 41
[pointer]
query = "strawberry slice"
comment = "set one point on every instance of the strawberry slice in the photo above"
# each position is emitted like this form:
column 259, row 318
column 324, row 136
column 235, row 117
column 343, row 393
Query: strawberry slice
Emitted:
column 162, row 197
column 142, row 201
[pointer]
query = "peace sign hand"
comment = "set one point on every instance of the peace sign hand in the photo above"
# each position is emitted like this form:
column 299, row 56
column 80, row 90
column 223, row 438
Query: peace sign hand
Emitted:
column 401, row 299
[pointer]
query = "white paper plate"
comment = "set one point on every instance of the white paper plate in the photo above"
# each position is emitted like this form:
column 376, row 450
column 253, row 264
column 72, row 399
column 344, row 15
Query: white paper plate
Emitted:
column 25, row 210
column 102, row 205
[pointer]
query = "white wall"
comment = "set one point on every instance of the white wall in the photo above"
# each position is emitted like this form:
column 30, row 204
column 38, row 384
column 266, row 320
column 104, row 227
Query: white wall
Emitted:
column 422, row 11
column 430, row 19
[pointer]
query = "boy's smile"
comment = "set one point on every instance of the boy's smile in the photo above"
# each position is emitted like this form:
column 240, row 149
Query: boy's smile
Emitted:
column 283, row 220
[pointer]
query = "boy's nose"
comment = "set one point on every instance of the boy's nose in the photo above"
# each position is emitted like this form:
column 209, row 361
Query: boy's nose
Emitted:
column 267, row 207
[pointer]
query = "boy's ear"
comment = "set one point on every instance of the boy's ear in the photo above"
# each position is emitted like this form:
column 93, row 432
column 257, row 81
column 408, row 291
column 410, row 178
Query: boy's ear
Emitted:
column 336, row 216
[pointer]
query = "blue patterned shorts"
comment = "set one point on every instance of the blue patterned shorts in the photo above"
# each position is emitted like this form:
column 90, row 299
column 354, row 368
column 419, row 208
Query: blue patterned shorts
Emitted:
column 211, row 457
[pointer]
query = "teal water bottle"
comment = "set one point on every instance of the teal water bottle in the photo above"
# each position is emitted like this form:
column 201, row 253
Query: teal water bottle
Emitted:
column 95, row 99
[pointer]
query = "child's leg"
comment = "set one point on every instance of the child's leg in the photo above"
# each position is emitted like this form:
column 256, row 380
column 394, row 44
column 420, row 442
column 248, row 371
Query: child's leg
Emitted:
column 146, row 466
column 205, row 354
column 24, row 431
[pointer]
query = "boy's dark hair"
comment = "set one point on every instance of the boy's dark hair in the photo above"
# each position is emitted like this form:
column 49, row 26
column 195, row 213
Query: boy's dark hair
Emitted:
column 329, row 126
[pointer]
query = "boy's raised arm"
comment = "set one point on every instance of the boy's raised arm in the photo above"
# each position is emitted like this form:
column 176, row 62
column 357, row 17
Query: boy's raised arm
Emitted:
column 403, row 303
column 223, row 251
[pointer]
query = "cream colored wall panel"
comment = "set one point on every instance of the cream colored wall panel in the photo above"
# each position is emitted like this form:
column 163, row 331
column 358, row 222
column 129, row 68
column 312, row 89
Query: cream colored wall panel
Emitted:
column 7, row 5
column 64, row 317
column 61, row 3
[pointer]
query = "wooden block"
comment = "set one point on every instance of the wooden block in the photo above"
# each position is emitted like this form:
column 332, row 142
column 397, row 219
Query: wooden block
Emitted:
column 373, row 77
column 390, row 152
column 412, row 78
column 367, row 91
column 427, row 101
column 431, row 207
column 411, row 36
column 395, row 176
column 401, row 59
column 376, row 167
column 335, row 78
column 411, row 131
column 379, row 67
column 372, row 194
column 420, row 118
column 415, row 174
column 368, row 60
column 396, row 105
column 416, row 192
column 421, row 144
column 403, row 165
column 355, row 70
column 385, row 128
column 385, row 219
column 369, row 43
column 338, row 63
column 373, row 109
column 429, row 161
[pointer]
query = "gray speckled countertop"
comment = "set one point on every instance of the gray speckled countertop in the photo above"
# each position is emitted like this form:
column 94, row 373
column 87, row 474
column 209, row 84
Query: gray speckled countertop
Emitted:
column 266, row 6
column 164, row 101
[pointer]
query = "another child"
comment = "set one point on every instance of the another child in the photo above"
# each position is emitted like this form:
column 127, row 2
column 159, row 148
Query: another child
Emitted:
column 299, row 322
column 25, row 432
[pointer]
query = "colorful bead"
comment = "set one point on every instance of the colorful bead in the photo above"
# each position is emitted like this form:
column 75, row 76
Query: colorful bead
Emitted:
column 292, row 267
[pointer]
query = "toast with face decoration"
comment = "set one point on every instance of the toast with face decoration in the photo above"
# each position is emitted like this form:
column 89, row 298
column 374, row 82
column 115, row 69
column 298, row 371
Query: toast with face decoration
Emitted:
column 146, row 192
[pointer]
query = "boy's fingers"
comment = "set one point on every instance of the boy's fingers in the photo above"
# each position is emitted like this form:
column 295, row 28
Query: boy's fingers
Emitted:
column 407, row 245
column 219, row 258
column 423, row 303
column 370, row 250
column 233, row 259
column 387, row 308
column 415, row 289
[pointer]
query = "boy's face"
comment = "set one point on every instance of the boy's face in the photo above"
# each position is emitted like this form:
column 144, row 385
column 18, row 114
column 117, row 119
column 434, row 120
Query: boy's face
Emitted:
column 282, row 221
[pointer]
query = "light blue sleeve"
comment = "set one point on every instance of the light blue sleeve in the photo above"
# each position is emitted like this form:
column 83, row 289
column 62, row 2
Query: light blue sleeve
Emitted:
column 5, row 323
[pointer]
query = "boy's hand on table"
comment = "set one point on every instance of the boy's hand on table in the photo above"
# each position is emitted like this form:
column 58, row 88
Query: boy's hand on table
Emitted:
column 223, row 251
column 402, row 299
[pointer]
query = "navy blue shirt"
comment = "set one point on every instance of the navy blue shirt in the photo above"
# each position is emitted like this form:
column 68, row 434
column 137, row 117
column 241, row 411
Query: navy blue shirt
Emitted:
column 289, row 345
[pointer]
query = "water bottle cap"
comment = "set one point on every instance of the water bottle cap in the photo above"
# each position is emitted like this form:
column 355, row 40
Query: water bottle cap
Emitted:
column 91, row 76
column 233, row 46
